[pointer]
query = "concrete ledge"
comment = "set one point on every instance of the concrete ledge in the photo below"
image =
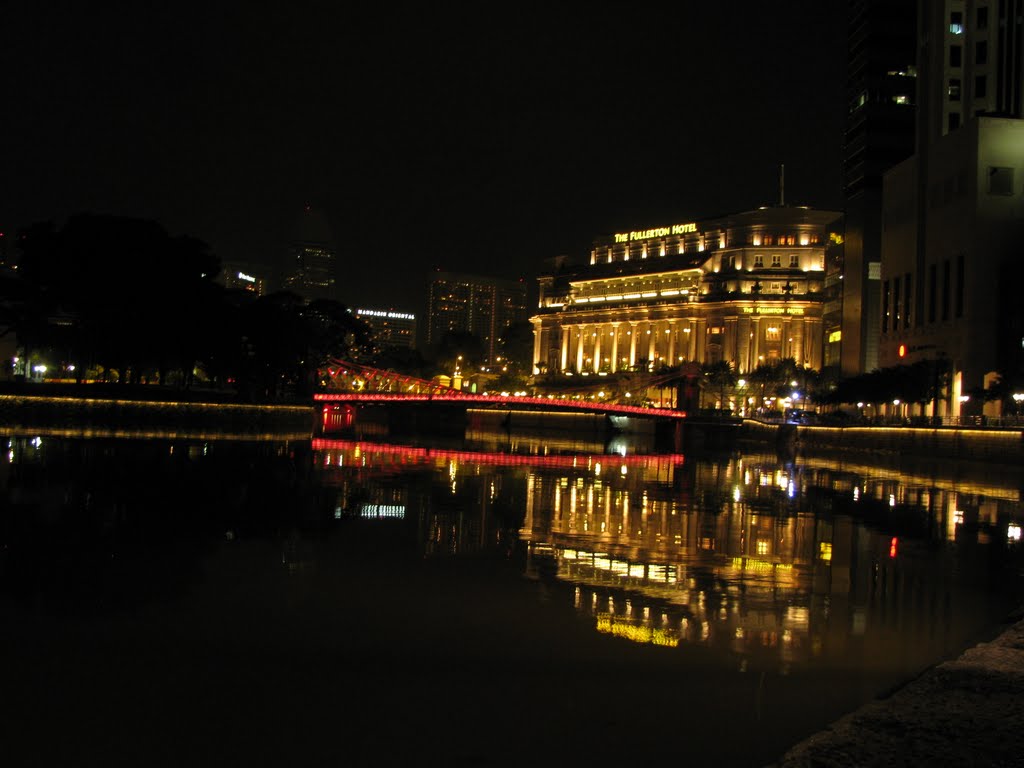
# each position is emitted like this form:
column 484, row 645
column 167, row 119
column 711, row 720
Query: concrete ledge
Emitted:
column 964, row 712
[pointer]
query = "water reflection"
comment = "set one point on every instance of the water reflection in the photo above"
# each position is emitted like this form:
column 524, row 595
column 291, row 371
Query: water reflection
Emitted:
column 396, row 573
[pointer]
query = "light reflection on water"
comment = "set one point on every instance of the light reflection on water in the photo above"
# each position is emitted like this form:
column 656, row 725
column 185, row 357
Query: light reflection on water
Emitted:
column 831, row 581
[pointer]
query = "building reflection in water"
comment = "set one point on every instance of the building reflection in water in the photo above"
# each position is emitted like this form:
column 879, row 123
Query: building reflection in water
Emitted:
column 774, row 564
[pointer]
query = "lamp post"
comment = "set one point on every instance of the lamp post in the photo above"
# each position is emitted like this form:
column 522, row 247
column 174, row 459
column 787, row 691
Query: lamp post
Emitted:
column 1018, row 398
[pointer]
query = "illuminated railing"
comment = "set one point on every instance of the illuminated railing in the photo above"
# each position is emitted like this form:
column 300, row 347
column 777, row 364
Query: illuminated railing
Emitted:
column 547, row 402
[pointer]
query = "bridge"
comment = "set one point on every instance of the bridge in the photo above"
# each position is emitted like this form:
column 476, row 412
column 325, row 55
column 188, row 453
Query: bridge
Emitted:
column 351, row 383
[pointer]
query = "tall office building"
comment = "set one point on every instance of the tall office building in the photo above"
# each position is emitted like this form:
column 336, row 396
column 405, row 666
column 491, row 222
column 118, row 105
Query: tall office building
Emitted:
column 483, row 306
column 881, row 85
column 954, row 212
column 309, row 270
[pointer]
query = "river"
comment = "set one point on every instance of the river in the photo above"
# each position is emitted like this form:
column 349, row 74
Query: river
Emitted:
column 490, row 599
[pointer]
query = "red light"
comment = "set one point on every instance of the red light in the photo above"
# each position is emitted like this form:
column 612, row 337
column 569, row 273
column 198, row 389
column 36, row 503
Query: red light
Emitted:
column 892, row 546
column 903, row 350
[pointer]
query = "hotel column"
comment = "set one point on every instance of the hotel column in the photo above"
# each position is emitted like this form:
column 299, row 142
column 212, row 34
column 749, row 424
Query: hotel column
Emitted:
column 701, row 332
column 538, row 337
column 691, row 340
column 632, row 345
column 799, row 352
column 730, row 339
column 615, row 347
column 597, row 349
column 580, row 340
column 652, row 344
column 755, row 352
column 744, row 337
column 565, row 347
column 671, row 342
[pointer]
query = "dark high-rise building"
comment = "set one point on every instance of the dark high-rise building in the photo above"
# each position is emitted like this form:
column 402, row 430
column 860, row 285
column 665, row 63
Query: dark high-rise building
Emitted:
column 310, row 267
column 953, row 211
column 483, row 306
column 881, row 83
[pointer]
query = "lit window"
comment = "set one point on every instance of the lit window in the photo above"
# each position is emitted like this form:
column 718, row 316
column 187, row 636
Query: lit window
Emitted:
column 956, row 23
column 902, row 99
column 954, row 89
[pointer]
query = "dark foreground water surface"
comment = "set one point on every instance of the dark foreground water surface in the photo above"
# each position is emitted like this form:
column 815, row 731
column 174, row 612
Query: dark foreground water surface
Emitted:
column 500, row 600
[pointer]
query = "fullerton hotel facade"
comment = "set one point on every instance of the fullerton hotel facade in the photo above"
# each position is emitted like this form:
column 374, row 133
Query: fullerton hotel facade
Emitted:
column 747, row 288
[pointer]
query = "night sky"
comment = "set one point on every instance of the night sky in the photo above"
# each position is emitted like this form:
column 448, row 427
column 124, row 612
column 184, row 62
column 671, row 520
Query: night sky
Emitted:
column 483, row 141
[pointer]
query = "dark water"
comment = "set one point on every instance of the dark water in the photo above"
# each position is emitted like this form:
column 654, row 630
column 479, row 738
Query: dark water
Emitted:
column 493, row 600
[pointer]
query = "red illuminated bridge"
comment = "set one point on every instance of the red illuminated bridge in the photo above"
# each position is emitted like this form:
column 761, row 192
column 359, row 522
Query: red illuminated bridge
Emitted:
column 353, row 384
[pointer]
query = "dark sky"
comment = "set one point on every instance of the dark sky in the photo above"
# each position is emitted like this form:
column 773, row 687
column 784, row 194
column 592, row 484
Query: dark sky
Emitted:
column 484, row 140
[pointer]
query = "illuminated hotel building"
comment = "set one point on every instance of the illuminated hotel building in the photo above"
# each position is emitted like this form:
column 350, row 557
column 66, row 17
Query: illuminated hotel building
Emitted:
column 241, row 277
column 390, row 328
column 482, row 306
column 746, row 288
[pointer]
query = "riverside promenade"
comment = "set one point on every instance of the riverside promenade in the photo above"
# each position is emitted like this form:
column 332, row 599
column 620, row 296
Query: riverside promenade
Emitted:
column 965, row 712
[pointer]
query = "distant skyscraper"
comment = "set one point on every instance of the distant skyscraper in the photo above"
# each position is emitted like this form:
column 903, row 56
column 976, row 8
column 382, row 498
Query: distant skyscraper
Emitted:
column 310, row 267
column 881, row 83
column 473, row 304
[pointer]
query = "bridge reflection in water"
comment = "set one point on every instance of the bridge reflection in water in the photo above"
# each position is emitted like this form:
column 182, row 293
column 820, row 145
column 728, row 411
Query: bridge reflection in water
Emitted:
column 764, row 563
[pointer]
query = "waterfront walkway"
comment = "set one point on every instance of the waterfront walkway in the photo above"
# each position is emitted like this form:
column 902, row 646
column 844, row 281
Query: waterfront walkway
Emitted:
column 966, row 712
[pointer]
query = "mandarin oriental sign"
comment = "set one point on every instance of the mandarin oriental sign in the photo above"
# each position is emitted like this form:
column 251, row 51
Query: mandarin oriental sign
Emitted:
column 647, row 234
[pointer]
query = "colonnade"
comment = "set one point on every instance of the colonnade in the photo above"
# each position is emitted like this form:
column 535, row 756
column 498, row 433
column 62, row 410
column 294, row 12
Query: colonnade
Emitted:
column 585, row 345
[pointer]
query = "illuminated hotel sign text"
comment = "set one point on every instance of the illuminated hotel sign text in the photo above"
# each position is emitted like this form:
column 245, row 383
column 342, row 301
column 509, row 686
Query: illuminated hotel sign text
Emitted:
column 247, row 278
column 773, row 310
column 647, row 234
column 391, row 315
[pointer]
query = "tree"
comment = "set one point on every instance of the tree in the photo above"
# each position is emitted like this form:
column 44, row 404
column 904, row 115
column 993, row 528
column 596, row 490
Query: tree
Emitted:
column 516, row 346
column 718, row 377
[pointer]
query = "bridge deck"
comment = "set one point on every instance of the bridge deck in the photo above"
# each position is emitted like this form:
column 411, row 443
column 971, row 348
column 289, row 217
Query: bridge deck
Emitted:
column 505, row 402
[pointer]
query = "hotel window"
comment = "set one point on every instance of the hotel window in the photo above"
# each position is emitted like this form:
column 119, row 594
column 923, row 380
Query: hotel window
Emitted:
column 954, row 89
column 956, row 23
column 931, row 293
column 768, row 240
column 980, row 89
column 896, row 304
column 774, row 287
column 776, row 260
column 982, row 18
column 759, row 260
column 945, row 290
column 794, row 260
column 960, row 285
column 981, row 52
column 955, row 56
column 954, row 120
column 773, row 334
column 906, row 300
column 1000, row 181
column 885, row 307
